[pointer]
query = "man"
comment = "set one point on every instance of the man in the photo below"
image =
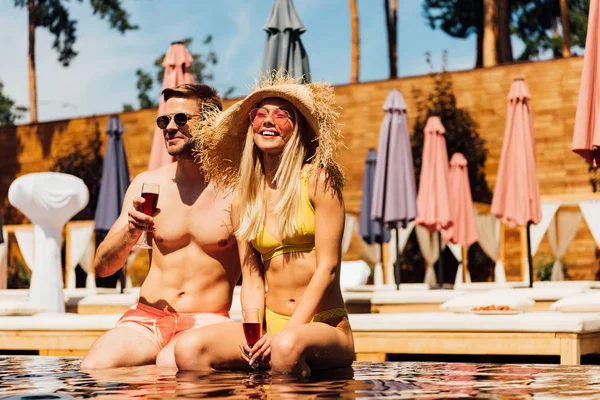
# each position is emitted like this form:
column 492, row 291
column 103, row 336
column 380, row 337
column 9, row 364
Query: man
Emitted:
column 194, row 262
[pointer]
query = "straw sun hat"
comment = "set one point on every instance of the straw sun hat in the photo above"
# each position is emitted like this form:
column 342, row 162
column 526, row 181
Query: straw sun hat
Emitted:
column 221, row 136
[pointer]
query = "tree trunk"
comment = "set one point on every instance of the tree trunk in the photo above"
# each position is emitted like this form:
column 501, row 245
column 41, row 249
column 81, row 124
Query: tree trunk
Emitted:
column 566, row 28
column 33, row 111
column 504, row 46
column 479, row 46
column 490, row 33
column 355, row 55
column 391, row 19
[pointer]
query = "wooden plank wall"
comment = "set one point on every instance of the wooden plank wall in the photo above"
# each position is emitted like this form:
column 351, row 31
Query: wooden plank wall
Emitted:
column 554, row 87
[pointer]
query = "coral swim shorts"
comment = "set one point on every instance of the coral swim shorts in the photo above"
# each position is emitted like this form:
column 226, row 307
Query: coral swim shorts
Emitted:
column 162, row 326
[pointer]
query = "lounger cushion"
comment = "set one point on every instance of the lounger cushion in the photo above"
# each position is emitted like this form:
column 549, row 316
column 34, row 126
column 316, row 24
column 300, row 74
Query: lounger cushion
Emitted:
column 466, row 302
column 586, row 302
column 19, row 308
column 354, row 273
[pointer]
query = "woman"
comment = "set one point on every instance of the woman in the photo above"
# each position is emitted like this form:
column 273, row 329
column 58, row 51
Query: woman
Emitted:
column 275, row 148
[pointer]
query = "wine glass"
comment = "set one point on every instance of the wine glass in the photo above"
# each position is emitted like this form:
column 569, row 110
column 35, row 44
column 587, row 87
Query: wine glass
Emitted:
column 252, row 327
column 150, row 194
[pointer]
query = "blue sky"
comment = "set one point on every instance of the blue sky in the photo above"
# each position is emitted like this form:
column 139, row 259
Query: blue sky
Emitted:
column 102, row 76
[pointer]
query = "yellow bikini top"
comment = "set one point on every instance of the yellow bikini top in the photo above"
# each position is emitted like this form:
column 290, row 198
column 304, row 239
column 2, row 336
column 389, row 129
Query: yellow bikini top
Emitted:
column 302, row 240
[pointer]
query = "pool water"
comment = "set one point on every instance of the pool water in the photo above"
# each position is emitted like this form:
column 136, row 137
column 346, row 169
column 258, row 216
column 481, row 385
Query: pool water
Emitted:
column 32, row 377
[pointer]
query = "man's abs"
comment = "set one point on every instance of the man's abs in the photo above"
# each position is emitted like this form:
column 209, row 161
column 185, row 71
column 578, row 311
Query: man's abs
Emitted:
column 190, row 280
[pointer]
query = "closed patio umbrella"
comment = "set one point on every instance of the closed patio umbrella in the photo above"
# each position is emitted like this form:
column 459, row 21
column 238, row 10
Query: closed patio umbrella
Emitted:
column 371, row 231
column 586, row 135
column 114, row 183
column 463, row 230
column 432, row 200
column 516, row 200
column 283, row 47
column 177, row 65
column 394, row 195
column 115, row 178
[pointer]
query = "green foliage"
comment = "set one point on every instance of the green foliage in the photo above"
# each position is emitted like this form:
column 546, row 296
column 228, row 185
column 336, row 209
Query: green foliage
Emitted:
column 543, row 267
column 85, row 162
column 534, row 22
column 461, row 131
column 458, row 18
column 19, row 276
column 9, row 113
column 54, row 16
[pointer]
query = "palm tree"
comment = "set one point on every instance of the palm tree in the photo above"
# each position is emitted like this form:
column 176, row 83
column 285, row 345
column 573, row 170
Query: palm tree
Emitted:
column 566, row 28
column 490, row 33
column 33, row 111
column 391, row 19
column 355, row 55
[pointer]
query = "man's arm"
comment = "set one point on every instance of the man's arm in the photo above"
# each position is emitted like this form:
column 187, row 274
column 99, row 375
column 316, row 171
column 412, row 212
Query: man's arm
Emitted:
column 112, row 253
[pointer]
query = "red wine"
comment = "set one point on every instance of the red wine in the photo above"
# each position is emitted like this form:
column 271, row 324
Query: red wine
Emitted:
column 149, row 206
column 252, row 332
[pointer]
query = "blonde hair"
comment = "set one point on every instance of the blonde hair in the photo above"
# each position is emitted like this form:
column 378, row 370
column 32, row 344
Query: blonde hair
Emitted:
column 287, row 179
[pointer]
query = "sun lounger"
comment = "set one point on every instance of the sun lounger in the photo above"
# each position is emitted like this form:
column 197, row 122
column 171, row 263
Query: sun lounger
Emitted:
column 430, row 301
column 534, row 333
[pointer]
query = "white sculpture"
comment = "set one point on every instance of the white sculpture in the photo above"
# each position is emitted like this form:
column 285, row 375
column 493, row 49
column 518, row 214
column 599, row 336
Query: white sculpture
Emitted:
column 49, row 200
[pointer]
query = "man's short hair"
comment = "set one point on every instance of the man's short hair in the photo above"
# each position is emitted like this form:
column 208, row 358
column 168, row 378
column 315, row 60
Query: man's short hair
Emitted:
column 203, row 93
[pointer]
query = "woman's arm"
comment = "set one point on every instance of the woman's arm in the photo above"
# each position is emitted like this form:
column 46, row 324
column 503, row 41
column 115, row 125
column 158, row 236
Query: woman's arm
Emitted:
column 329, row 228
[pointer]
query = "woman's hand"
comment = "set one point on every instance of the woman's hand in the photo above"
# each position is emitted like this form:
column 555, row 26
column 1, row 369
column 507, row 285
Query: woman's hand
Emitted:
column 259, row 354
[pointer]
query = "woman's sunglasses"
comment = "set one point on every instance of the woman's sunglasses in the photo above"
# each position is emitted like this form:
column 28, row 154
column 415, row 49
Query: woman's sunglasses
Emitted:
column 180, row 119
column 279, row 116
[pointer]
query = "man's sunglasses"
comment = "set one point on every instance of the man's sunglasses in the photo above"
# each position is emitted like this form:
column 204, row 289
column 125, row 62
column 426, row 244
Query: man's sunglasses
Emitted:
column 180, row 119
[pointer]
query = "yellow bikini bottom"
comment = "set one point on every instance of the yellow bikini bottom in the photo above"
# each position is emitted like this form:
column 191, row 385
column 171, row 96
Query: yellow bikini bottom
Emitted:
column 277, row 322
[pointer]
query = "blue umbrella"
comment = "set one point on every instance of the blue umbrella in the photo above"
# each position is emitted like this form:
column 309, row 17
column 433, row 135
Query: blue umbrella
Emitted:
column 283, row 47
column 371, row 230
column 115, row 178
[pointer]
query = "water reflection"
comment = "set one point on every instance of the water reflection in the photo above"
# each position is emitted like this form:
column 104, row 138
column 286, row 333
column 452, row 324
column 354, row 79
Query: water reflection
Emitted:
column 60, row 378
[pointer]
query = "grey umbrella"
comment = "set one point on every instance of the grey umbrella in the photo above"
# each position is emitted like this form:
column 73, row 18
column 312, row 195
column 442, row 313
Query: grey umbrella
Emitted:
column 115, row 178
column 394, row 195
column 371, row 231
column 283, row 47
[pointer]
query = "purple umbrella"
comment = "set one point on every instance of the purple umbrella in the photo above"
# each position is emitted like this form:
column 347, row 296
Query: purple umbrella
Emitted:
column 115, row 178
column 394, row 195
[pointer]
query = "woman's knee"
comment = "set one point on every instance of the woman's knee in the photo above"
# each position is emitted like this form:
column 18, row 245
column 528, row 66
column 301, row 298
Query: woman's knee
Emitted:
column 286, row 349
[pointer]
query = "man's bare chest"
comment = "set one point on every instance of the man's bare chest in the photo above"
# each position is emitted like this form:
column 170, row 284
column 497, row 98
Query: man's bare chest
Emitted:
column 204, row 222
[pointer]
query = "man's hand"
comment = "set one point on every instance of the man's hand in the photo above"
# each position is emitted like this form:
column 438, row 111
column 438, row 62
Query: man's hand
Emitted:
column 259, row 354
column 137, row 221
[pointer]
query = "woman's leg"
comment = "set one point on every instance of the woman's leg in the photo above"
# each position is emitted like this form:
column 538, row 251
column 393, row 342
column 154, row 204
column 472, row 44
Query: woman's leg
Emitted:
column 311, row 347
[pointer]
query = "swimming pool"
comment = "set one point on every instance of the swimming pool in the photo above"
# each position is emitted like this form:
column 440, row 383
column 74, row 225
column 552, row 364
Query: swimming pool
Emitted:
column 32, row 377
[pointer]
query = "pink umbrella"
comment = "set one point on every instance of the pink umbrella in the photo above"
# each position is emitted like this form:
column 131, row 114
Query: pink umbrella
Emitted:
column 463, row 231
column 176, row 63
column 586, row 135
column 516, row 200
column 433, row 209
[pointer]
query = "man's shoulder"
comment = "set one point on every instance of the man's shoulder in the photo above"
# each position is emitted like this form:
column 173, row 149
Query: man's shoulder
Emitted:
column 156, row 174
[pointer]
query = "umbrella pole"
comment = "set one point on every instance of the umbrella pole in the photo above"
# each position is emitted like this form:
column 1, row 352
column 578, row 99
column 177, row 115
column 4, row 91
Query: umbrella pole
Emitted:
column 397, row 266
column 529, row 258
column 440, row 261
